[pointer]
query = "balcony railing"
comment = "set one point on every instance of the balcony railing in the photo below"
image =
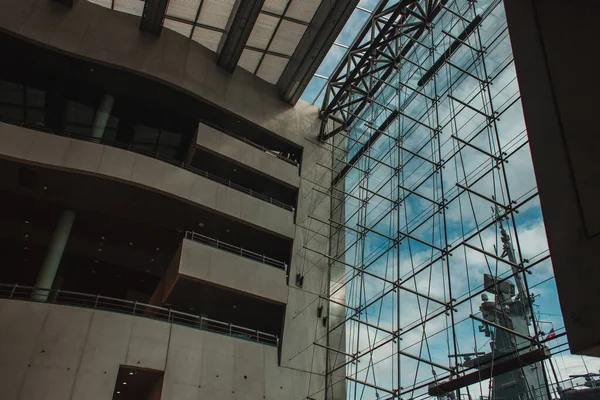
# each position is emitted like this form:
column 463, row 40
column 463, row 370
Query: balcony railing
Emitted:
column 97, row 302
column 261, row 258
column 130, row 147
column 251, row 143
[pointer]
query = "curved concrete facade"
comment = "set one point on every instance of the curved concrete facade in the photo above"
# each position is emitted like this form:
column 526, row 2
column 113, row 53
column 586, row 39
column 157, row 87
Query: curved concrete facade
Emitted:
column 40, row 148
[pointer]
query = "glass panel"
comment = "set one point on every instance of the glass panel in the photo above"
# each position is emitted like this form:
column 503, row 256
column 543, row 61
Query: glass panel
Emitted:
column 216, row 12
column 79, row 119
column 185, row 9
column 145, row 138
column 249, row 60
column 287, row 38
column 262, row 31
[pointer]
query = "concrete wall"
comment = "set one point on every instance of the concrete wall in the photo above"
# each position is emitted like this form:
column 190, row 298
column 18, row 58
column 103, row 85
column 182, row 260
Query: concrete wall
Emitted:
column 554, row 44
column 114, row 38
column 40, row 148
column 199, row 261
column 245, row 154
column 60, row 352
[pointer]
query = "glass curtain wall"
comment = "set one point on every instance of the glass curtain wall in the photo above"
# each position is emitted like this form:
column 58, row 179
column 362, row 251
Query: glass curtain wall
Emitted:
column 444, row 242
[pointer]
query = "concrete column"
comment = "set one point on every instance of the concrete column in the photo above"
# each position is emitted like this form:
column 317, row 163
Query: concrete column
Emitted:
column 55, row 252
column 102, row 115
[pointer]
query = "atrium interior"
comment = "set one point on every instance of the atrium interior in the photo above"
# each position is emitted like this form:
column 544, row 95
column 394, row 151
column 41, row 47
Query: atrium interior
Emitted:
column 299, row 199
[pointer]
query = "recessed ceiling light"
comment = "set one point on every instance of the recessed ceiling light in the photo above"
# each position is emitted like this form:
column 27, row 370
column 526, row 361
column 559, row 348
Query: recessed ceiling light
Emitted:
column 152, row 260
column 45, row 187
column 102, row 238
column 131, row 373
column 201, row 224
column 26, row 236
column 99, row 250
column 25, row 248
column 124, row 383
column 158, row 249
column 26, row 222
column 131, row 243
column 227, row 231
column 118, row 392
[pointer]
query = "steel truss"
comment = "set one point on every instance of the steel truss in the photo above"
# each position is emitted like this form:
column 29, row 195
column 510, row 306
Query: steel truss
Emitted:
column 406, row 113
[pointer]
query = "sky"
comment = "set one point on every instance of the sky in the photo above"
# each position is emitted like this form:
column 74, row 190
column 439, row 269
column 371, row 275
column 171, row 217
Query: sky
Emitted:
column 465, row 267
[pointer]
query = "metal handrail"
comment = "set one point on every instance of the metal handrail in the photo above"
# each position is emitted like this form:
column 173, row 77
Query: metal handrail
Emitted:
column 261, row 258
column 251, row 143
column 157, row 156
column 98, row 302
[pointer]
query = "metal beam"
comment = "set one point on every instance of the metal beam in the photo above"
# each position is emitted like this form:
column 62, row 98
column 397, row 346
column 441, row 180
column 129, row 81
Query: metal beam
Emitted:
column 153, row 16
column 240, row 24
column 328, row 21
column 497, row 368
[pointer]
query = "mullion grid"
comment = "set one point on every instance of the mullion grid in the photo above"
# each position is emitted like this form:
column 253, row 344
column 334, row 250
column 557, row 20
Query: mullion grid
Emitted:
column 444, row 150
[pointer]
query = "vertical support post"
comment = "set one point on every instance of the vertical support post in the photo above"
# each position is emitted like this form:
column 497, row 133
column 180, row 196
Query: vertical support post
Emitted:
column 51, row 262
column 102, row 115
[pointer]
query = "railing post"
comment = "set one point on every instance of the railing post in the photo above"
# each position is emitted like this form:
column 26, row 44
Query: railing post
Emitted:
column 12, row 292
column 56, row 295
column 134, row 306
column 96, row 302
column 230, row 329
column 169, row 316
column 257, row 337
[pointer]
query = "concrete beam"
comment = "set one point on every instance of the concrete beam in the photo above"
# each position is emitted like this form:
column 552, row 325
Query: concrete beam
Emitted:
column 153, row 16
column 328, row 21
column 240, row 24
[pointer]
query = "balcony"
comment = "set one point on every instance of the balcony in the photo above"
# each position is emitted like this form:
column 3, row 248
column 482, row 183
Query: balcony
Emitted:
column 98, row 302
column 273, row 166
column 155, row 155
column 219, row 244
column 203, row 264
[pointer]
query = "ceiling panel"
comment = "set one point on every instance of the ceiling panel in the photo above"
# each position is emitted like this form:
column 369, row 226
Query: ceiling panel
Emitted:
column 185, row 9
column 271, row 68
column 287, row 38
column 275, row 6
column 103, row 3
column 179, row 27
column 262, row 31
column 303, row 10
column 216, row 12
column 249, row 60
column 207, row 38
column 135, row 7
